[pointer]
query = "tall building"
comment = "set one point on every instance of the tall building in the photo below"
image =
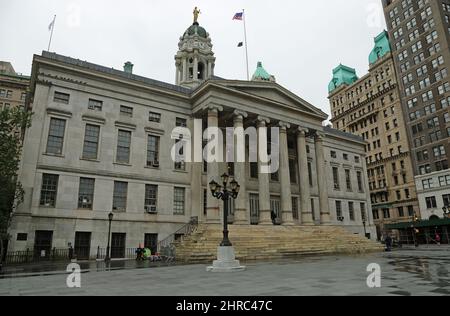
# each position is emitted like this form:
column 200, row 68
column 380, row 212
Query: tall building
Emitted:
column 101, row 142
column 419, row 33
column 370, row 107
column 13, row 86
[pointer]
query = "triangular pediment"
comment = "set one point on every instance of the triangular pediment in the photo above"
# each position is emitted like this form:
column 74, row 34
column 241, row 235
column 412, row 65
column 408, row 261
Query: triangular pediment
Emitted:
column 272, row 92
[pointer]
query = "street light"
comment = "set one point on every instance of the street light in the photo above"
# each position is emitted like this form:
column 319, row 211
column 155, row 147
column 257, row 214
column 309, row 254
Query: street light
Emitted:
column 224, row 193
column 415, row 230
column 108, row 257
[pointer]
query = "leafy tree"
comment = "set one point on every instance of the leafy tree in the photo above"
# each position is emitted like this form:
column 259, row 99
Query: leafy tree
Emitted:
column 13, row 122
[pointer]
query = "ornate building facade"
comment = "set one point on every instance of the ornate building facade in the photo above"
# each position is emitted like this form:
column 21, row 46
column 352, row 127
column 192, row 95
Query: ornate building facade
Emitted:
column 101, row 140
column 371, row 107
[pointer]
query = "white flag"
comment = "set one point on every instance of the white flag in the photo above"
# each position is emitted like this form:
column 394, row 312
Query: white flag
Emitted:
column 52, row 24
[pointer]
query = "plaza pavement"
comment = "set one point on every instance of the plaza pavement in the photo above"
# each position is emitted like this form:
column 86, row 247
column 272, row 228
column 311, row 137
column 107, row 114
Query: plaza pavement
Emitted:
column 403, row 272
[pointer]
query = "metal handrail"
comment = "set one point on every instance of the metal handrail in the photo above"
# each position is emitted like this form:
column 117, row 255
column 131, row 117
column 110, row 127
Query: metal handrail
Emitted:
column 166, row 246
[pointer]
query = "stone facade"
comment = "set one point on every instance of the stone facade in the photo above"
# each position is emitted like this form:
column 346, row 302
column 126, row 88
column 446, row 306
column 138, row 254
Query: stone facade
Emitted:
column 371, row 107
column 13, row 86
column 91, row 151
column 433, row 192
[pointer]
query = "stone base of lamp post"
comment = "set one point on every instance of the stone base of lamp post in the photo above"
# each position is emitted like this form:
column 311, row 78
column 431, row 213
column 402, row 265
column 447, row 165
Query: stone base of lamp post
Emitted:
column 226, row 261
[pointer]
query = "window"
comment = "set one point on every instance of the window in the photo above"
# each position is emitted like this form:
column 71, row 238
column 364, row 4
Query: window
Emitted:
column 56, row 136
column 49, row 190
column 333, row 154
column 151, row 195
column 153, row 151
column 386, row 213
column 401, row 212
column 351, row 211
column 293, row 170
column 375, row 214
column 154, row 117
column 348, row 180
column 95, row 105
column 336, row 178
column 61, row 97
column 126, row 111
column 123, row 147
column 254, row 170
column 179, row 155
column 410, row 210
column 120, row 196
column 310, row 178
column 427, row 183
column 362, row 208
column 178, row 201
column 338, row 209
column 181, row 122
column 86, row 193
column 91, row 137
column 446, row 199
column 295, row 207
column 431, row 202
column 360, row 181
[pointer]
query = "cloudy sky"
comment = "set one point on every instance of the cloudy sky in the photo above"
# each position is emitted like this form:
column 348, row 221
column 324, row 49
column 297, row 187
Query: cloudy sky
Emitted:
column 298, row 41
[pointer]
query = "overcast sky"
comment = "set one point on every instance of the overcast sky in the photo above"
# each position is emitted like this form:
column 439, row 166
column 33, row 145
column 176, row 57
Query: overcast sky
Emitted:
column 298, row 41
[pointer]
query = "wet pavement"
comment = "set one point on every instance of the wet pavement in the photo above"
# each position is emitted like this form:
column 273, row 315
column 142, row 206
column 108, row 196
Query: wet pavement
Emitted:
column 403, row 273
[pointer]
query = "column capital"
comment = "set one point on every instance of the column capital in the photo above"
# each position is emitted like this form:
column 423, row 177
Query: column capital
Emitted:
column 284, row 125
column 302, row 131
column 238, row 114
column 214, row 108
column 262, row 120
column 319, row 137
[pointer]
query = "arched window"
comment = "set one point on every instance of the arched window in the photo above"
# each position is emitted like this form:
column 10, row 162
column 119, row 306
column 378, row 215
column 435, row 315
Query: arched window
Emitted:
column 201, row 71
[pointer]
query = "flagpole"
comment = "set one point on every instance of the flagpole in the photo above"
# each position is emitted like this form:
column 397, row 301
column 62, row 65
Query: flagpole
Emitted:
column 51, row 35
column 246, row 48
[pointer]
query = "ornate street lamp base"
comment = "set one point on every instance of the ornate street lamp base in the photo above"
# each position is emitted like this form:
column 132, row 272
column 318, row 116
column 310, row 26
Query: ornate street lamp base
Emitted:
column 226, row 261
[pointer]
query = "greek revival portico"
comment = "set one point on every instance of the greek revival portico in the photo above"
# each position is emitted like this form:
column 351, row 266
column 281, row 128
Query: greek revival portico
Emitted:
column 300, row 130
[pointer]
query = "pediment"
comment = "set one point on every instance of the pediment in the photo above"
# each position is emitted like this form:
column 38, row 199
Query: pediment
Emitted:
column 272, row 92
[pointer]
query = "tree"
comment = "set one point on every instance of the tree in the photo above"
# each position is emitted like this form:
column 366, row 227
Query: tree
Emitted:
column 13, row 122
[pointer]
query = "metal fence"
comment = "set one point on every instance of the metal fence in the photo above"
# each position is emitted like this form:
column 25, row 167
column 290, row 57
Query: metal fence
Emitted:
column 28, row 255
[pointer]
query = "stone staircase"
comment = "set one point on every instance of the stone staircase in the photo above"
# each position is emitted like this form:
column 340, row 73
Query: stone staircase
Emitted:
column 272, row 242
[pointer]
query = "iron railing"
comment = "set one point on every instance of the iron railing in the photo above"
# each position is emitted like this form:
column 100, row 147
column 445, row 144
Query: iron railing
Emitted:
column 166, row 246
column 55, row 254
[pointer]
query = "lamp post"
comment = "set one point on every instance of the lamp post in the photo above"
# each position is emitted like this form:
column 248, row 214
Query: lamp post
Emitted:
column 108, row 257
column 226, row 257
column 224, row 193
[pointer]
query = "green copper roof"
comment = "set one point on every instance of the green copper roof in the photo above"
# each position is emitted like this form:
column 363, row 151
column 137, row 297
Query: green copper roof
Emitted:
column 382, row 47
column 342, row 75
column 196, row 29
column 261, row 73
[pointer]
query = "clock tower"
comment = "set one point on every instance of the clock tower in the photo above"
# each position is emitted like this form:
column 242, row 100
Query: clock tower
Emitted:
column 195, row 59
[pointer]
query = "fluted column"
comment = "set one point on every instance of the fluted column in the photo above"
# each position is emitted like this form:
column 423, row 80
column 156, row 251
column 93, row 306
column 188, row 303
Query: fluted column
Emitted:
column 213, row 206
column 285, row 178
column 241, row 215
column 263, row 178
column 322, row 180
column 305, row 195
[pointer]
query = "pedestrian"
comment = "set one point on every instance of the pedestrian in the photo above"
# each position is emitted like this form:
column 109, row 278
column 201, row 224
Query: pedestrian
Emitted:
column 139, row 253
column 70, row 251
column 388, row 243
column 438, row 239
column 273, row 216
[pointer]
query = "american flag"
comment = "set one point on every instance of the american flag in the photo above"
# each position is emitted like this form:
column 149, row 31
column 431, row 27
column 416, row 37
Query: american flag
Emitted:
column 238, row 16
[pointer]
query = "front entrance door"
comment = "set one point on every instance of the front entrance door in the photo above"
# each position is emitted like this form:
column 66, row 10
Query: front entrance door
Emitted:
column 275, row 206
column 151, row 242
column 254, row 209
column 43, row 244
column 118, row 245
column 82, row 245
